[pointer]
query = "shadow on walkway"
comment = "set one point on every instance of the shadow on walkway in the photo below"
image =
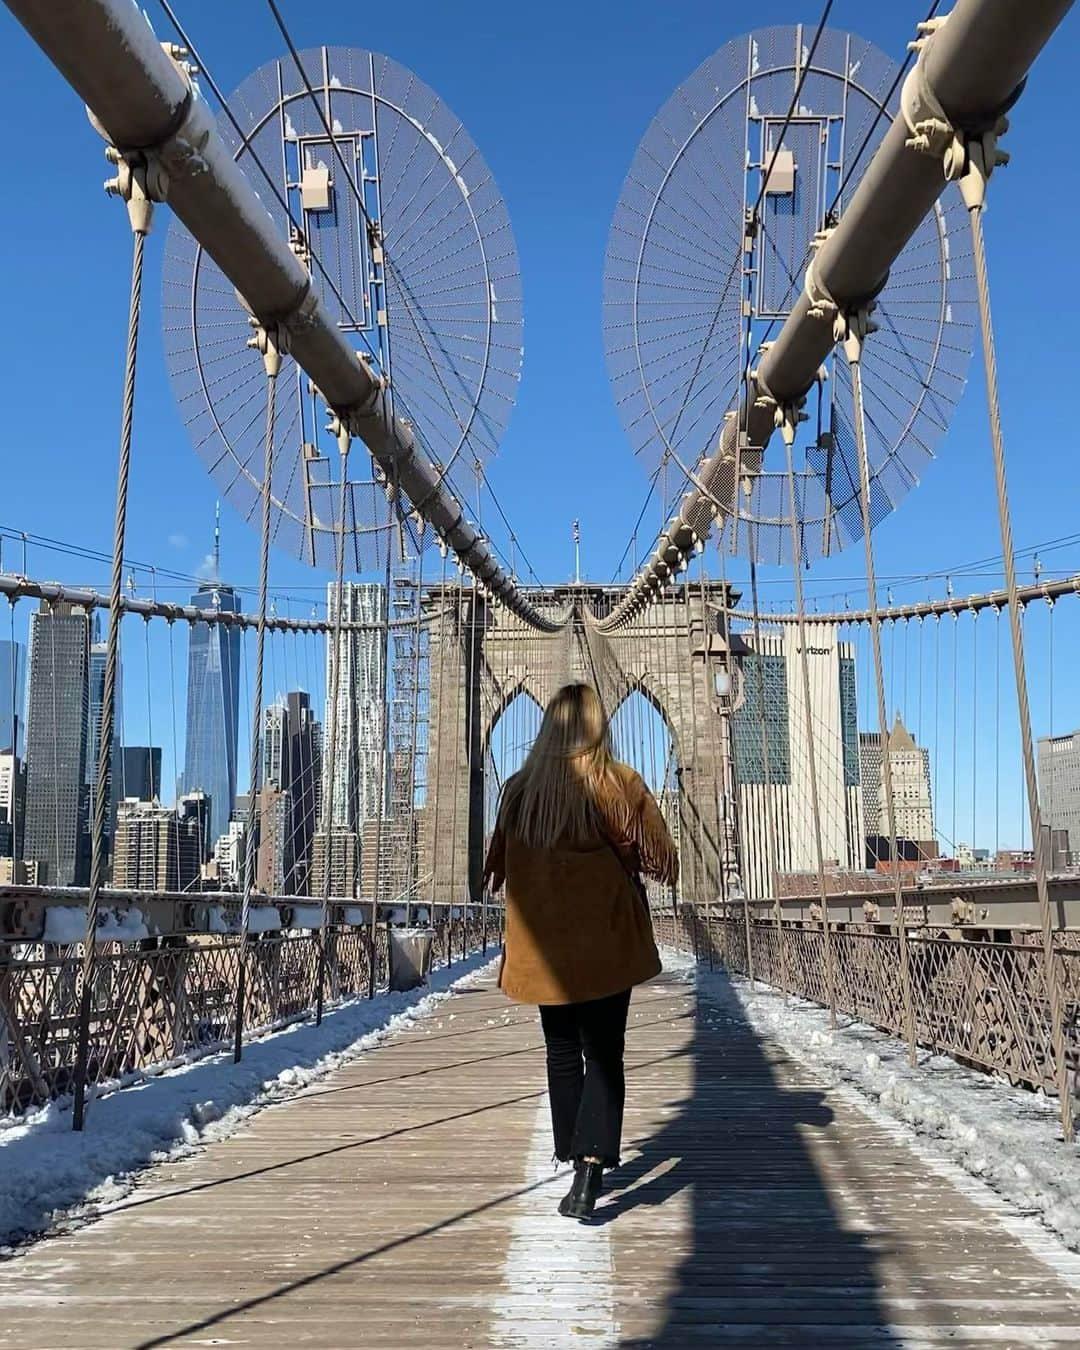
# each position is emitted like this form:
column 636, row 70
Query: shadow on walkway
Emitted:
column 766, row 1260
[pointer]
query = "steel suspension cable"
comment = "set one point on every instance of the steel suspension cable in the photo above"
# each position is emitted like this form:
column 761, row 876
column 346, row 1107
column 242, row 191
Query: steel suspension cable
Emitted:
column 788, row 428
column 270, row 343
column 131, row 184
column 973, row 188
column 440, row 714
column 771, row 844
column 853, row 348
column 383, row 766
column 330, row 751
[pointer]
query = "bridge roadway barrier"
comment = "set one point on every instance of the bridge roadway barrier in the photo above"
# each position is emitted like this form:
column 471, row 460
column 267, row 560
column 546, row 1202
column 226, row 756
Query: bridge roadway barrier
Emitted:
column 171, row 994
column 977, row 905
column 980, row 1000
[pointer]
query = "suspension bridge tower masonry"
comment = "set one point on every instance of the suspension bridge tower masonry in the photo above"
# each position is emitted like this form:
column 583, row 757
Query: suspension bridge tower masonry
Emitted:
column 482, row 657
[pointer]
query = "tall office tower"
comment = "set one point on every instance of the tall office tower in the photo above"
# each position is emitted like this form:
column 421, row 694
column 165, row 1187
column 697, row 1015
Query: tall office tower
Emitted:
column 11, row 695
column 356, row 758
column 229, row 855
column 913, row 811
column 292, row 753
column 344, row 863
column 12, row 801
column 776, row 830
column 138, row 772
column 270, row 857
column 213, row 696
column 55, row 832
column 95, row 703
column 95, row 700
column 158, row 848
column 1059, row 791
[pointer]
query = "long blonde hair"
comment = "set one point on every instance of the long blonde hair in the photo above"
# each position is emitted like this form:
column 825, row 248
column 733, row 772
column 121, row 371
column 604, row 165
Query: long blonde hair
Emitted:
column 568, row 776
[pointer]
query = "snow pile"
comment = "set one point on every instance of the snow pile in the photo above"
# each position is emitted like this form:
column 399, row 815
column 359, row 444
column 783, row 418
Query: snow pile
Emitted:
column 1008, row 1137
column 66, row 924
column 217, row 920
column 306, row 916
column 52, row 1178
column 121, row 925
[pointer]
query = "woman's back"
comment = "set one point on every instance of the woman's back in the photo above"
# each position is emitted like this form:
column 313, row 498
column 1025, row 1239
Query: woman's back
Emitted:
column 627, row 825
column 576, row 828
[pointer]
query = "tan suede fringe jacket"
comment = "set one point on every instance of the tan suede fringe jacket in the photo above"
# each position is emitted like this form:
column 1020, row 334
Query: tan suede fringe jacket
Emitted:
column 576, row 926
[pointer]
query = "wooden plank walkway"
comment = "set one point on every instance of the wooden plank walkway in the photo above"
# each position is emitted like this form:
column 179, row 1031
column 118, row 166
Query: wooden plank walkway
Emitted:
column 408, row 1201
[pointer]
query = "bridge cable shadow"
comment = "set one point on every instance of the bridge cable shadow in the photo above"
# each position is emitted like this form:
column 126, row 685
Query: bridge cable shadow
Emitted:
column 766, row 1259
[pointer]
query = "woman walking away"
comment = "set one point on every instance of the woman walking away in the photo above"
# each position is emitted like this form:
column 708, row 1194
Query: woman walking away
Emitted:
column 574, row 833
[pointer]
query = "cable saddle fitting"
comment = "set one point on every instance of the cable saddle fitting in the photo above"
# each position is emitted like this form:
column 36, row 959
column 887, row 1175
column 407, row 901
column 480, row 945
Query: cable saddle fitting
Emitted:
column 968, row 157
column 850, row 324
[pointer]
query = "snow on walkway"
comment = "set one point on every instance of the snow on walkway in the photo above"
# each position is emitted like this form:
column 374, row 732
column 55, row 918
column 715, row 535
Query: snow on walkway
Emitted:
column 408, row 1200
column 52, row 1179
column 1006, row 1136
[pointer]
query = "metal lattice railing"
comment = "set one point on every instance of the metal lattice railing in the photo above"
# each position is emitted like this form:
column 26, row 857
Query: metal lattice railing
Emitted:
column 154, row 1005
column 982, row 1002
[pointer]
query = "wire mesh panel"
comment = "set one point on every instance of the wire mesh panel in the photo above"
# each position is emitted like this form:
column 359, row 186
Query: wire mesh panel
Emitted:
column 982, row 1002
column 985, row 1002
column 765, row 132
column 868, row 977
column 412, row 254
column 152, row 1006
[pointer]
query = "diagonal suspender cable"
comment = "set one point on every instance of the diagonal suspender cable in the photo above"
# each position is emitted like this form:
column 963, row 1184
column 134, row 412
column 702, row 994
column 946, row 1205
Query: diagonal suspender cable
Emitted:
column 981, row 156
column 771, row 842
column 330, row 749
column 787, row 417
column 857, row 328
column 130, row 183
column 270, row 342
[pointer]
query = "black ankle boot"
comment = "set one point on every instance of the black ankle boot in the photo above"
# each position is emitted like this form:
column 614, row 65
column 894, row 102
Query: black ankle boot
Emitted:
column 580, row 1201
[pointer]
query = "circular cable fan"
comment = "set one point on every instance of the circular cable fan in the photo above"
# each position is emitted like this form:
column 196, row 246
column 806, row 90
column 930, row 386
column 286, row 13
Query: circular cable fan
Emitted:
column 413, row 256
column 685, row 306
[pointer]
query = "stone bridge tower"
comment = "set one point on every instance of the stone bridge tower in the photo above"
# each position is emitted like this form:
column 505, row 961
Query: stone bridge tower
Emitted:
column 481, row 657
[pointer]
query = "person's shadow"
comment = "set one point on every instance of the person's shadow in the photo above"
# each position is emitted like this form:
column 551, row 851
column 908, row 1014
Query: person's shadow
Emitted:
column 766, row 1259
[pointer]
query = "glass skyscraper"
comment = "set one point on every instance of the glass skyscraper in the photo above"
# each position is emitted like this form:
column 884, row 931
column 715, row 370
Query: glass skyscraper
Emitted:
column 11, row 695
column 96, row 698
column 292, row 764
column 58, row 705
column 356, row 760
column 213, row 695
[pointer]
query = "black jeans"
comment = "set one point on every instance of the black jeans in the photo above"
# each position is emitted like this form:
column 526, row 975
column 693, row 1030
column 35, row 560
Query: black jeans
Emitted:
column 585, row 1076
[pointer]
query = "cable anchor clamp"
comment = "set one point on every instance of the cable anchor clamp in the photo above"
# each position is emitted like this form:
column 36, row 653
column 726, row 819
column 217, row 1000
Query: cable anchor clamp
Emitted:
column 978, row 158
column 271, row 341
column 341, row 433
column 140, row 182
column 787, row 417
column 852, row 329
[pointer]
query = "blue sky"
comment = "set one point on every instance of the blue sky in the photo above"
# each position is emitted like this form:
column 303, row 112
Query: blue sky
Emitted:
column 556, row 98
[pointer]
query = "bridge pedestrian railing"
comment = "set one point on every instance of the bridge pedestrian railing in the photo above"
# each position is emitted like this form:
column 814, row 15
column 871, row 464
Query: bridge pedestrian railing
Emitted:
column 981, row 1001
column 168, row 999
